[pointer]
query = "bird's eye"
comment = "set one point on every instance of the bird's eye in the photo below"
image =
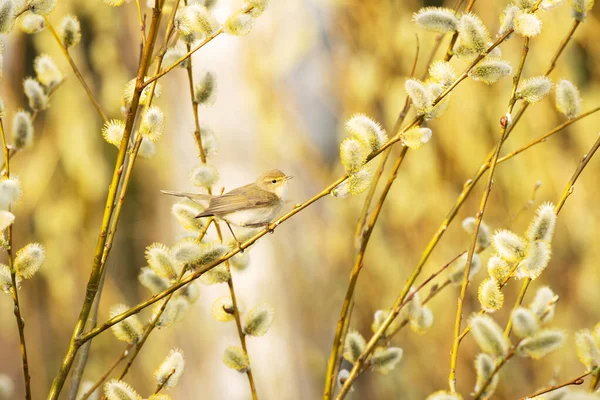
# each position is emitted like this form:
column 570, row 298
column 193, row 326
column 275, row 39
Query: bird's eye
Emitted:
column 274, row 181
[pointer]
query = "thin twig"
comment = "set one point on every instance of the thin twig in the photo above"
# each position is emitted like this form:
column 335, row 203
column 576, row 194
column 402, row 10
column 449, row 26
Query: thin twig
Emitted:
column 575, row 381
column 96, row 385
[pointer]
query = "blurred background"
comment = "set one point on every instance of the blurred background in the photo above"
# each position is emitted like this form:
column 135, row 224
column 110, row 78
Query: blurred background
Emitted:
column 284, row 92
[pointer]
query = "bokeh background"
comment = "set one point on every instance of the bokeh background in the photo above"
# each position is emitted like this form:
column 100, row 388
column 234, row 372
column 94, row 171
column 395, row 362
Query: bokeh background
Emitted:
column 284, row 92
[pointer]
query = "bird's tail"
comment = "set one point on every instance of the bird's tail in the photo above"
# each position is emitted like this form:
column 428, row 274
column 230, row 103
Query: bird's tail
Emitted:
column 191, row 196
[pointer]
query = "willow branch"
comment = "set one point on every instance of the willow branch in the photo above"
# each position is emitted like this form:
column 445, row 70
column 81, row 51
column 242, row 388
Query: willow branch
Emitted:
column 575, row 381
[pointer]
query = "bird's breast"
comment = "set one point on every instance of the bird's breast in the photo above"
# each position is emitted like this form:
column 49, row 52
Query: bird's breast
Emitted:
column 261, row 215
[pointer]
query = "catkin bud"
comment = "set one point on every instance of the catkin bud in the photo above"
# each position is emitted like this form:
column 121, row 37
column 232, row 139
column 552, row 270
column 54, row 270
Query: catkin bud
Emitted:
column 490, row 296
column 6, row 279
column 29, row 260
column 129, row 91
column 524, row 4
column 419, row 95
column 473, row 33
column 353, row 346
column 151, row 281
column 186, row 251
column 484, row 367
column 159, row 396
column 239, row 23
column 240, row 261
column 367, row 131
column 130, row 329
column 31, row 23
column 484, row 236
column 69, row 31
column 412, row 308
column 205, row 90
column 7, row 16
column 385, row 359
column 435, row 90
column 436, row 19
column 579, row 8
column 353, row 154
column 542, row 225
column 174, row 54
column 113, row 132
column 190, row 292
column 236, row 358
column 170, row 370
column 204, row 176
column 547, row 5
column 258, row 7
column 42, row 7
column 174, row 311
column 528, row 25
column 22, row 129
column 210, row 252
column 416, row 137
column 568, row 100
column 541, row 344
column 423, row 321
column 360, row 181
column 6, row 219
column 38, row 99
column 489, row 336
column 442, row 72
column 378, row 319
column 185, row 212
column 46, row 71
column 201, row 20
column 456, row 270
column 218, row 274
column 259, row 320
column 160, row 260
column 509, row 245
column 209, row 141
column 537, row 257
column 507, row 18
column 544, row 303
column 534, row 89
column 114, row 3
column 153, row 123
column 587, row 349
column 444, row 395
column 525, row 323
column 490, row 70
column 119, row 390
column 10, row 192
column 222, row 309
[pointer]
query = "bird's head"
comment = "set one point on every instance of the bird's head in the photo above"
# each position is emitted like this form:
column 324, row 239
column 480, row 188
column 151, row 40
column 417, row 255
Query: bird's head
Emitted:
column 274, row 181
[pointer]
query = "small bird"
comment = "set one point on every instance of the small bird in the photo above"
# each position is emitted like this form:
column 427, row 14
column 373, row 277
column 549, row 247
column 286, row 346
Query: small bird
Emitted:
column 252, row 206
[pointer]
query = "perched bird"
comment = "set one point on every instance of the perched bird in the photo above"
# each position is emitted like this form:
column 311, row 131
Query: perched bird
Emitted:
column 253, row 205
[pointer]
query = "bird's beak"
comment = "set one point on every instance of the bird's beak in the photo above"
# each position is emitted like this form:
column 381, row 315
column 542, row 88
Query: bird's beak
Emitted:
column 287, row 178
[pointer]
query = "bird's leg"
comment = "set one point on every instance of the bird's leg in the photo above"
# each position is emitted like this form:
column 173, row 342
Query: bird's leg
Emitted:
column 233, row 234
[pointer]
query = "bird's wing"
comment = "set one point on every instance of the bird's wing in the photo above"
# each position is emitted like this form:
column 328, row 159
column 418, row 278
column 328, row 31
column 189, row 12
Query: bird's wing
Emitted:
column 191, row 196
column 245, row 197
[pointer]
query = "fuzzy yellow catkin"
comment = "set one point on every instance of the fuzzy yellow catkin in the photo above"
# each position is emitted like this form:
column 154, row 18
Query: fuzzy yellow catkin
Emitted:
column 484, row 367
column 239, row 23
column 170, row 370
column 436, row 19
column 435, row 90
column 69, row 31
column 567, row 99
column 442, row 72
column 2, row 108
column 543, row 224
column 579, row 8
column 353, row 345
column 160, row 260
column 258, row 320
column 6, row 279
column 421, row 323
column 484, row 236
column 473, row 33
column 541, row 344
column 456, row 270
column 10, row 191
column 7, row 16
column 42, row 7
column 444, row 395
column 490, row 70
column 31, row 23
column 173, row 313
column 185, row 212
column 47, row 73
column 412, row 308
column 419, row 95
column 240, row 261
column 366, row 130
column 543, row 304
column 385, row 359
column 210, row 252
column 205, row 176
column 174, row 54
column 528, row 25
column 153, row 123
column 537, row 257
column 113, row 131
column 236, row 358
column 379, row 317
column 490, row 296
column 22, row 129
column 507, row 18
column 129, row 90
column 353, row 154
column 587, row 349
column 205, row 89
column 114, row 3
column 38, row 99
column 29, row 259
column 151, row 281
column 360, row 181
column 597, row 333
column 524, row 4
column 533, row 90
column 258, row 7
column 119, row 390
column 201, row 20
column 489, row 336
column 190, row 292
column 130, row 329
column 209, row 141
column 159, row 396
column 509, row 245
column 218, row 274
column 548, row 4
column 525, row 322
column 186, row 251
column 6, row 219
column 416, row 137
